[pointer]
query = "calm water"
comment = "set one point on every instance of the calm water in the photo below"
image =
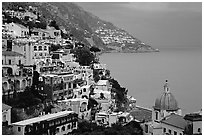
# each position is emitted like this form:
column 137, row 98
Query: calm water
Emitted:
column 144, row 75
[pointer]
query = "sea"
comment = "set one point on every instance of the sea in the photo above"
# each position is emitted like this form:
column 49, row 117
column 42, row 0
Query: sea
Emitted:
column 144, row 75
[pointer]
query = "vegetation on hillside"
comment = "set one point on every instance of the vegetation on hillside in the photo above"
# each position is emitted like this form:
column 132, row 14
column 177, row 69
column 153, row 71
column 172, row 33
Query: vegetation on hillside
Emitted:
column 84, row 56
column 120, row 95
column 88, row 128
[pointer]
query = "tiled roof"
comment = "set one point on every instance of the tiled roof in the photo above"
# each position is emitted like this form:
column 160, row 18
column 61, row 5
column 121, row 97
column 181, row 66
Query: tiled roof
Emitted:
column 142, row 114
column 10, row 53
column 42, row 118
column 23, row 27
column 5, row 107
column 193, row 117
column 175, row 120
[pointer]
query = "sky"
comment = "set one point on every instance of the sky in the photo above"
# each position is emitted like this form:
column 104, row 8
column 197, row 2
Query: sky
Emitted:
column 159, row 24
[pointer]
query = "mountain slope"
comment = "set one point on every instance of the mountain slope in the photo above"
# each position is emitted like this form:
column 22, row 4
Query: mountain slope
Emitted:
column 88, row 28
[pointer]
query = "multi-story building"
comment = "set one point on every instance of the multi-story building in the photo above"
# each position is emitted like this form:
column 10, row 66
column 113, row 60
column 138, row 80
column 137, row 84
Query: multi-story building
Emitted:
column 103, row 85
column 195, row 122
column 53, row 33
column 107, row 119
column 18, row 30
column 81, row 91
column 41, row 52
column 39, row 33
column 15, row 76
column 60, row 123
column 58, row 85
column 78, row 105
column 10, row 60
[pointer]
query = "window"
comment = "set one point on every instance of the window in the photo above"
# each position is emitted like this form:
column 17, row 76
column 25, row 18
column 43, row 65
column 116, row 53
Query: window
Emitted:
column 19, row 129
column 170, row 131
column 175, row 133
column 2, row 62
column 164, row 130
column 19, row 62
column 146, row 128
column 68, row 127
column 40, row 54
column 74, row 124
column 9, row 62
column 63, row 128
column 35, row 48
column 199, row 130
column 84, row 90
column 180, row 133
column 45, row 47
column 57, row 130
column 40, row 48
column 70, row 86
column 156, row 115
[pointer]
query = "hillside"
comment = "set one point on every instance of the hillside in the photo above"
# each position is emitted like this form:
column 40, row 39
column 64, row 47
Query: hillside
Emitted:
column 86, row 27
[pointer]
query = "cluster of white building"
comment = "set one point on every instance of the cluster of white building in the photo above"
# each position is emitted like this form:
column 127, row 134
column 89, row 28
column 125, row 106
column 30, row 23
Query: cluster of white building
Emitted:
column 109, row 36
column 62, row 80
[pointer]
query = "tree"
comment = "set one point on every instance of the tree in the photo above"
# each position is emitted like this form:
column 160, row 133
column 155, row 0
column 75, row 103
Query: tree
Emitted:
column 83, row 56
column 53, row 23
column 120, row 95
column 91, row 103
column 88, row 128
column 94, row 49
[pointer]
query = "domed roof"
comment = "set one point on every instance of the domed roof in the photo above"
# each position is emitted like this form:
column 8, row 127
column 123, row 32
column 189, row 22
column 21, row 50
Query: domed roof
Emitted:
column 167, row 101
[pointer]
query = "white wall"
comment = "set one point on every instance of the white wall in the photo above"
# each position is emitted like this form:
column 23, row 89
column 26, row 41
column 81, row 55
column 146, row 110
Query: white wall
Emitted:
column 16, row 132
column 196, row 125
column 172, row 128
column 7, row 114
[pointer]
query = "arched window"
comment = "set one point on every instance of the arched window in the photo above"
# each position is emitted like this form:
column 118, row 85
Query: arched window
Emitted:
column 157, row 115
column 40, row 48
column 68, row 127
column 63, row 128
column 35, row 48
column 199, row 130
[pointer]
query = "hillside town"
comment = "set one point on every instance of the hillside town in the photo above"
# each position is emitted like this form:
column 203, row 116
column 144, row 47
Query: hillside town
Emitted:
column 52, row 84
column 110, row 36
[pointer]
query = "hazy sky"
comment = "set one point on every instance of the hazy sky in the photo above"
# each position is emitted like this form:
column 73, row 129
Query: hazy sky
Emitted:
column 157, row 24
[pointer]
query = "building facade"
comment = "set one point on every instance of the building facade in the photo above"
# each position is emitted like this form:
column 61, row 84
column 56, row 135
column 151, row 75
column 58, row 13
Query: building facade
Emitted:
column 60, row 123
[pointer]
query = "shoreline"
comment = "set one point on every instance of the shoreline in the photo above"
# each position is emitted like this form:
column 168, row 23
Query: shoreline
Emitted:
column 128, row 52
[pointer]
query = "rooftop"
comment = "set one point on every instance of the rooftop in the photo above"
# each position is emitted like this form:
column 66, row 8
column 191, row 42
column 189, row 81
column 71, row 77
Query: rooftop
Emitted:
column 193, row 117
column 23, row 27
column 102, row 82
column 5, row 107
column 175, row 120
column 41, row 118
column 11, row 53
column 125, row 114
column 73, row 99
column 63, row 73
column 141, row 114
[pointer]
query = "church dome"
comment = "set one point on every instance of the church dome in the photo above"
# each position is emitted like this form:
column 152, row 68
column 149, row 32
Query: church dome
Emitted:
column 166, row 101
